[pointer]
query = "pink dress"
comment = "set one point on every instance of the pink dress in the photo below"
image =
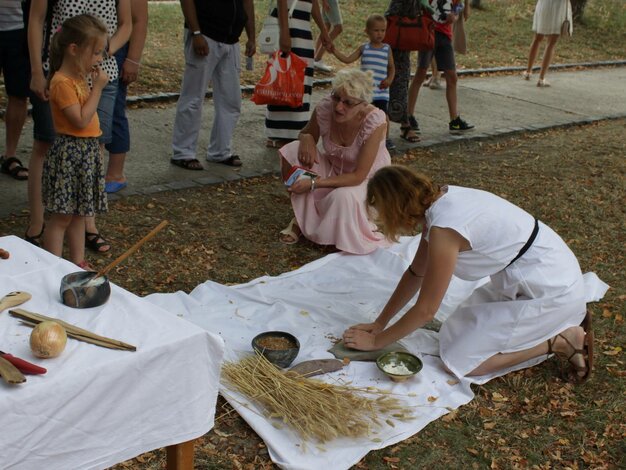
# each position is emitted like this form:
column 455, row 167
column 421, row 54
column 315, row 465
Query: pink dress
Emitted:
column 338, row 216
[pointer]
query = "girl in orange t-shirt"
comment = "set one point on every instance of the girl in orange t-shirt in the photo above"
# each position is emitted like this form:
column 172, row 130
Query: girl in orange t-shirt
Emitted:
column 73, row 173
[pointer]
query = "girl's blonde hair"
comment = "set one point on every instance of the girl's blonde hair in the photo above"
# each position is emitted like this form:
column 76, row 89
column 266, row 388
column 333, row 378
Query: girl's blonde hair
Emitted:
column 356, row 83
column 82, row 30
column 398, row 198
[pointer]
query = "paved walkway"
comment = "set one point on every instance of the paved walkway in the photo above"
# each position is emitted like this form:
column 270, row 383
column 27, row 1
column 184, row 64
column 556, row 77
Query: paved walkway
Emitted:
column 496, row 105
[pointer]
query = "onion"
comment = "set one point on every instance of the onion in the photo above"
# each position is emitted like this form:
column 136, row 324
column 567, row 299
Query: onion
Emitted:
column 48, row 339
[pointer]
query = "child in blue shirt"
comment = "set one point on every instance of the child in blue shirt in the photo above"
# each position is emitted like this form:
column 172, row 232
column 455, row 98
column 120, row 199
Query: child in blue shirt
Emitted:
column 376, row 56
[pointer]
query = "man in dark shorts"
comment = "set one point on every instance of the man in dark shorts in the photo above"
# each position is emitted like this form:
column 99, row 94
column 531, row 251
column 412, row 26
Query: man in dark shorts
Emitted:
column 15, row 68
column 446, row 13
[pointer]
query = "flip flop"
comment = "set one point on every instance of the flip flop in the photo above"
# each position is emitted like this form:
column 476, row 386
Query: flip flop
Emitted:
column 290, row 232
column 114, row 186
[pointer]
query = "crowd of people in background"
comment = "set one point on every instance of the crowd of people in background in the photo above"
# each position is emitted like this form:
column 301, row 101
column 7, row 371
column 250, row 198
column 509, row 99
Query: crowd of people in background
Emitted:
column 212, row 36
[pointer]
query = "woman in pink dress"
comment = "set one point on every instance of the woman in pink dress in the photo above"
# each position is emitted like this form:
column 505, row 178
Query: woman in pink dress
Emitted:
column 330, row 207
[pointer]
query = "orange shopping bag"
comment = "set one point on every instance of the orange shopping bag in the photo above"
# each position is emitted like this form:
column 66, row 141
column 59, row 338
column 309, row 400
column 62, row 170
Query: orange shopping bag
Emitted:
column 283, row 81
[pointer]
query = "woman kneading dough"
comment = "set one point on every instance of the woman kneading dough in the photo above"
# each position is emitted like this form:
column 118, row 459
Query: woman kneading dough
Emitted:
column 534, row 301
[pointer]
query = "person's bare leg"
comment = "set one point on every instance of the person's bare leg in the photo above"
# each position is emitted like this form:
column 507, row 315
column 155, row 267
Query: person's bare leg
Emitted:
column 90, row 222
column 414, row 89
column 55, row 232
column 451, row 94
column 35, row 203
column 534, row 49
column 76, row 239
column 115, row 168
column 547, row 55
column 333, row 32
column 575, row 335
column 14, row 119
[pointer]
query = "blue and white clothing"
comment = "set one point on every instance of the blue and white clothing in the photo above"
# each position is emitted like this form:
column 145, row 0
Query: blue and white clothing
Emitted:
column 377, row 61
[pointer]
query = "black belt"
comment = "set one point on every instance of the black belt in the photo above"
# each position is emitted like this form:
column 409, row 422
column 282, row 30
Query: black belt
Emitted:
column 527, row 245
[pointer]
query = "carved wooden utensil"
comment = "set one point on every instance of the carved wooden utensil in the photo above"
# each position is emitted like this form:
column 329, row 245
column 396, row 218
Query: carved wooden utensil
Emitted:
column 13, row 299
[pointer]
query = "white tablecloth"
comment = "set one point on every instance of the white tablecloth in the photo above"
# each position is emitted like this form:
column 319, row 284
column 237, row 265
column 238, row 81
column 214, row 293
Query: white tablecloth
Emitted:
column 96, row 407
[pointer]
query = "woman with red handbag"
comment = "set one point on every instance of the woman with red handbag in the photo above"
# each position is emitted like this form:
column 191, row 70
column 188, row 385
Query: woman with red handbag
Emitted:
column 399, row 89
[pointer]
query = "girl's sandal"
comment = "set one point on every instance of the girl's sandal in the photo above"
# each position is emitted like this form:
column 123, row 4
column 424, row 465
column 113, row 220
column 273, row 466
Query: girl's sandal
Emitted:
column 35, row 239
column 289, row 236
column 409, row 135
column 96, row 242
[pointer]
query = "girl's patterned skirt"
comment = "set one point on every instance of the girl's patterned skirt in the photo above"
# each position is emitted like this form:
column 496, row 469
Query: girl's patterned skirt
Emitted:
column 73, row 177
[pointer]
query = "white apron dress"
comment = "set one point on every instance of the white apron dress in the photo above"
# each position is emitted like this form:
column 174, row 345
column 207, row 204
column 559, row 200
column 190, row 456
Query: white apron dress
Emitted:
column 522, row 305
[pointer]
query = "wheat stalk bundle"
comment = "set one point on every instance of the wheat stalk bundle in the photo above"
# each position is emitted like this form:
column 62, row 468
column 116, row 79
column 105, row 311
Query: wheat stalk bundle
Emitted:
column 314, row 409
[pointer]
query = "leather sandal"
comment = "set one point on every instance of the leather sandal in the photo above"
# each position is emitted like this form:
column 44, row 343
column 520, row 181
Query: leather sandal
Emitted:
column 13, row 167
column 35, row 239
column 96, row 242
column 290, row 232
column 409, row 134
column 572, row 374
column 188, row 164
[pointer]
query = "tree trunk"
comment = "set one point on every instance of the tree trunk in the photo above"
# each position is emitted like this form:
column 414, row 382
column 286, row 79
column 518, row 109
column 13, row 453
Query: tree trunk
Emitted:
column 578, row 9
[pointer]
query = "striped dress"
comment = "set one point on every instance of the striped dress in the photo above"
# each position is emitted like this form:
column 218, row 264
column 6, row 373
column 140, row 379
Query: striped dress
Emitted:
column 377, row 60
column 283, row 122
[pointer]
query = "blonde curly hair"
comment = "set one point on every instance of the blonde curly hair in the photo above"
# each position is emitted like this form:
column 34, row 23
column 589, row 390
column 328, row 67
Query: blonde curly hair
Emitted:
column 355, row 83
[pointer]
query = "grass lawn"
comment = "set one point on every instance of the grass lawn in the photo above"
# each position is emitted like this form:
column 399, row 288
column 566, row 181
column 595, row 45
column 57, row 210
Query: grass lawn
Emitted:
column 498, row 35
column 572, row 179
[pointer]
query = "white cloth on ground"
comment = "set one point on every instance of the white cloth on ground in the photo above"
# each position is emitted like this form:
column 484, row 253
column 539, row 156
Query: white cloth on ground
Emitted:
column 316, row 303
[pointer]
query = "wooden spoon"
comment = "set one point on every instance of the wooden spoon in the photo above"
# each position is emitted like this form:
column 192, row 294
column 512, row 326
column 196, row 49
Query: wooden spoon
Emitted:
column 123, row 256
column 132, row 249
column 13, row 299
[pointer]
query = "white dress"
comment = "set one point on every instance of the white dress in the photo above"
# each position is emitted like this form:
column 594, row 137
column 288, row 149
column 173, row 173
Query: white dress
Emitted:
column 550, row 14
column 522, row 305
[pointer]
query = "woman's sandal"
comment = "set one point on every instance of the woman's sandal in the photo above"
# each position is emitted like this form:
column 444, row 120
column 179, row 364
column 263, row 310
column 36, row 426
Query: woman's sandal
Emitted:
column 16, row 171
column 526, row 75
column 414, row 124
column 409, row 134
column 290, row 232
column 543, row 83
column 572, row 374
column 35, row 239
column 95, row 242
